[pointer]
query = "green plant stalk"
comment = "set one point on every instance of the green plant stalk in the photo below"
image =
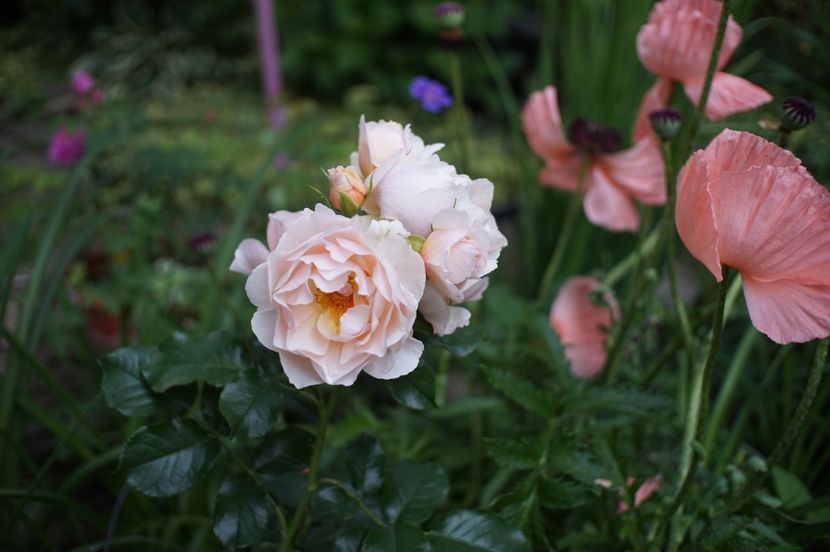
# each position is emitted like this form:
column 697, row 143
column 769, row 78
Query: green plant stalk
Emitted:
column 524, row 517
column 564, row 237
column 689, row 132
column 631, row 260
column 311, row 485
column 697, row 412
column 462, row 128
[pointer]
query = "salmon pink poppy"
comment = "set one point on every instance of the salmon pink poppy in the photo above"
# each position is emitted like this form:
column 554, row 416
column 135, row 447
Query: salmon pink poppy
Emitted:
column 582, row 325
column 612, row 178
column 675, row 44
column 746, row 203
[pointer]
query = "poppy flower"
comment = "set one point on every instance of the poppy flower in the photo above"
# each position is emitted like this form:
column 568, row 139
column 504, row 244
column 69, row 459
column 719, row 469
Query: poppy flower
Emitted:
column 748, row 204
column 675, row 44
column 582, row 325
column 612, row 178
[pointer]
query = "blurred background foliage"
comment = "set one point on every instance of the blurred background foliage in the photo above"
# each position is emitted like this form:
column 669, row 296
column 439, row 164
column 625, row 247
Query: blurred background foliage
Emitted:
column 181, row 163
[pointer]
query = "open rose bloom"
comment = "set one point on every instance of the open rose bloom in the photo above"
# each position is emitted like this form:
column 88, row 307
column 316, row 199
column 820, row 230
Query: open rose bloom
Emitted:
column 338, row 296
column 582, row 325
column 745, row 203
column 675, row 44
column 612, row 178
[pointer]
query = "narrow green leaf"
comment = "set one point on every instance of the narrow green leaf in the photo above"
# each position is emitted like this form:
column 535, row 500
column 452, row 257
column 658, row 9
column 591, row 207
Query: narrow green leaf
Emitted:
column 122, row 384
column 215, row 359
column 251, row 405
column 167, row 459
column 414, row 491
column 241, row 513
column 468, row 531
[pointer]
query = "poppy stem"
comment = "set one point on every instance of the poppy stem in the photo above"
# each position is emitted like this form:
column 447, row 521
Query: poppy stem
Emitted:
column 326, row 409
column 698, row 410
column 690, row 131
column 564, row 237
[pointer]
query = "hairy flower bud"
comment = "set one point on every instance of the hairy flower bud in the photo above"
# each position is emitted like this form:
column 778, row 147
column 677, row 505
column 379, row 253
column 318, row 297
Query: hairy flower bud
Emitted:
column 666, row 123
column 797, row 113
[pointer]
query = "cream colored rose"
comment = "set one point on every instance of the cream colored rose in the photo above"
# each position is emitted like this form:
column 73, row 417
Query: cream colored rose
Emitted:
column 344, row 181
column 379, row 141
column 338, row 296
column 251, row 253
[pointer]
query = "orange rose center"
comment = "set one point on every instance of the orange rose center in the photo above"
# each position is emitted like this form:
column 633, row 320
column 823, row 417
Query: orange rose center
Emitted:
column 334, row 304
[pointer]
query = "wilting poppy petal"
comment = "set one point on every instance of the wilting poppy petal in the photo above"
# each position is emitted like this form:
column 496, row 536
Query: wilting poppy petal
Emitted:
column 729, row 94
column 562, row 171
column 543, row 124
column 582, row 326
column 639, row 171
column 694, row 216
column 606, row 205
column 656, row 97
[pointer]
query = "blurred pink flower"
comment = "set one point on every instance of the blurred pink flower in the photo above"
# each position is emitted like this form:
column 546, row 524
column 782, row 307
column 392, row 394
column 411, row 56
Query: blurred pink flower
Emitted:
column 82, row 82
column 612, row 178
column 646, row 489
column 675, row 44
column 66, row 148
column 96, row 96
column 746, row 203
column 582, row 326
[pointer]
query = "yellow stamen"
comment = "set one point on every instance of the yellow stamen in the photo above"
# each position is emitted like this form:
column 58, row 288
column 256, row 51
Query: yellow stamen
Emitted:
column 335, row 304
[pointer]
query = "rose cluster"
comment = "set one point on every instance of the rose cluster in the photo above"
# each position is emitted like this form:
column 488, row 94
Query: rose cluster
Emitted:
column 338, row 293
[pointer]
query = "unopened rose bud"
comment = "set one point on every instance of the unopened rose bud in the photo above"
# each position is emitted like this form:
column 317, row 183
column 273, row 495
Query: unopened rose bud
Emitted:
column 666, row 123
column 346, row 189
column 797, row 113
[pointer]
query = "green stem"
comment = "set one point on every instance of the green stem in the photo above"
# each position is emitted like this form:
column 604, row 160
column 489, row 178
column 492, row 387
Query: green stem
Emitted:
column 524, row 517
column 632, row 259
column 462, row 129
column 697, row 413
column 311, row 485
column 563, row 239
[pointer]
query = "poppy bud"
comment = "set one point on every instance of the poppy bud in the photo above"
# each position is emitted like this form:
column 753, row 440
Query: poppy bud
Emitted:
column 797, row 113
column 666, row 123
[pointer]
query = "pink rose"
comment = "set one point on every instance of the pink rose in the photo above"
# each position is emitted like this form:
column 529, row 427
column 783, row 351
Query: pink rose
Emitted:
column 337, row 296
column 346, row 181
column 379, row 141
column 463, row 247
column 251, row 253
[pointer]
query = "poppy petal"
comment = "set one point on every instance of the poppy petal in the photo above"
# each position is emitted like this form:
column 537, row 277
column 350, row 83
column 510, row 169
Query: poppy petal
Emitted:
column 607, row 206
column 656, row 97
column 543, row 124
column 729, row 94
column 639, row 171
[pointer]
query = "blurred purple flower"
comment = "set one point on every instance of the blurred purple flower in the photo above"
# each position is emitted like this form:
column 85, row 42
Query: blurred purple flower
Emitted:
column 203, row 242
column 82, row 82
column 433, row 95
column 65, row 148
column 282, row 161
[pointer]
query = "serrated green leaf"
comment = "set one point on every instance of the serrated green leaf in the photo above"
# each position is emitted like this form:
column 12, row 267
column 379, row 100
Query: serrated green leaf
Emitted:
column 468, row 531
column 251, row 405
column 558, row 494
column 415, row 390
column 414, row 491
column 364, row 462
column 167, row 459
column 616, row 399
column 241, row 513
column 399, row 538
column 123, row 386
column 578, row 464
column 522, row 392
column 519, row 454
column 215, row 359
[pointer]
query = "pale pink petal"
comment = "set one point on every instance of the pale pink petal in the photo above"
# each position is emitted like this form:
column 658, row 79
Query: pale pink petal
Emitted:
column 299, row 370
column 648, row 487
column 695, row 217
column 788, row 311
column 562, row 171
column 249, row 254
column 639, row 171
column 581, row 325
column 734, row 151
column 729, row 94
column 445, row 319
column 257, row 287
column 277, row 224
column 656, row 97
column 543, row 124
column 397, row 363
column 677, row 40
column 264, row 325
column 607, row 206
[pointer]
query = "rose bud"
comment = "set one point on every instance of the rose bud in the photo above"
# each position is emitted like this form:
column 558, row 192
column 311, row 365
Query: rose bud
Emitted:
column 346, row 189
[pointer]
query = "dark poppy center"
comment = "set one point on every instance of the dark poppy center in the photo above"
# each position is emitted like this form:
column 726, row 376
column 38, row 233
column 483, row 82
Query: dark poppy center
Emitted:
column 594, row 137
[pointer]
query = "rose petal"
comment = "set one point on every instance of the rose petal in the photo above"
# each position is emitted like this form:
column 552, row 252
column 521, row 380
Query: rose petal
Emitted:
column 299, row 370
column 398, row 363
column 249, row 254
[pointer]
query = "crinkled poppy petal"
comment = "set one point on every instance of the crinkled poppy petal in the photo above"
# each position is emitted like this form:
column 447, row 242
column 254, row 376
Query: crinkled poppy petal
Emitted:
column 729, row 94
column 695, row 216
column 677, row 40
column 774, row 223
column 562, row 171
column 788, row 311
column 639, row 171
column 734, row 151
column 581, row 325
column 656, row 97
column 606, row 205
column 543, row 124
